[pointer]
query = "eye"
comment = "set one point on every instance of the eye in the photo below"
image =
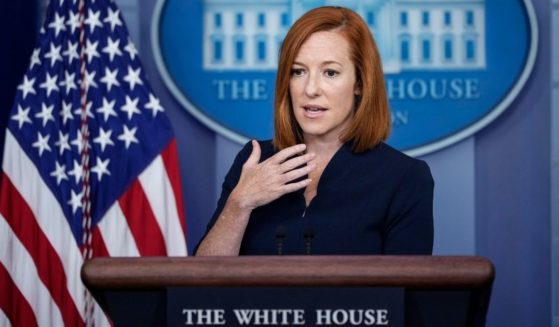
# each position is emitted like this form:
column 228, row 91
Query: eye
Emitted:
column 297, row 71
column 331, row 73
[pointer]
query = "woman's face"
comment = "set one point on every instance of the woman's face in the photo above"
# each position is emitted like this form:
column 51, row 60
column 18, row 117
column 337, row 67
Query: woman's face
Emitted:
column 323, row 86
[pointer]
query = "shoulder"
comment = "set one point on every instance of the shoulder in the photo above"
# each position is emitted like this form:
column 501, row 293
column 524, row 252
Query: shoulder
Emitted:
column 413, row 169
column 394, row 155
column 397, row 163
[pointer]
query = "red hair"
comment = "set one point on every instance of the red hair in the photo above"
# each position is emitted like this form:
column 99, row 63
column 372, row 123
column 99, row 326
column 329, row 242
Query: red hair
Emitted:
column 371, row 122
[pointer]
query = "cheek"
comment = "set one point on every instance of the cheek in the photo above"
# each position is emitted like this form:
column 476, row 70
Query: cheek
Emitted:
column 347, row 97
column 294, row 88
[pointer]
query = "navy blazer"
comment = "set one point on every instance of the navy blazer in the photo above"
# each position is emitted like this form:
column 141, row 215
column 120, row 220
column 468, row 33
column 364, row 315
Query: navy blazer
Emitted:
column 376, row 202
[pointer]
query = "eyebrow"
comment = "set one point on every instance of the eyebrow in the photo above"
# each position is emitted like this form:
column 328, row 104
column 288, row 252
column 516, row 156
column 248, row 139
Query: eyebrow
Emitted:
column 328, row 62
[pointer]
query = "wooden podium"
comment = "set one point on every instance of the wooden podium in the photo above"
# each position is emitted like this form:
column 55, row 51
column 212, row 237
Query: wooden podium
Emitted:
column 438, row 290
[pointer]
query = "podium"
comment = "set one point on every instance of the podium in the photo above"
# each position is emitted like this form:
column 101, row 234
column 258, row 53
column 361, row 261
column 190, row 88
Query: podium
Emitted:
column 438, row 290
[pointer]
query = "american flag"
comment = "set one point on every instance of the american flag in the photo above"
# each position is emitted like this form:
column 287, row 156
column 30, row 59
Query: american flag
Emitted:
column 90, row 167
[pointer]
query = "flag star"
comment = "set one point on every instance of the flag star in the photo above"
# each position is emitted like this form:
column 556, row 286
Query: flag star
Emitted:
column 59, row 173
column 154, row 105
column 42, row 143
column 78, row 142
column 46, row 113
column 76, row 172
column 72, row 52
column 113, row 19
column 66, row 111
column 104, row 138
column 107, row 109
column 62, row 142
column 54, row 54
column 112, row 48
column 128, row 136
column 73, row 21
column 35, row 58
column 68, row 82
column 91, row 50
column 22, row 116
column 110, row 78
column 50, row 84
column 101, row 168
column 133, row 77
column 78, row 112
column 93, row 20
column 58, row 24
column 131, row 107
column 75, row 201
column 131, row 49
column 90, row 79
column 27, row 86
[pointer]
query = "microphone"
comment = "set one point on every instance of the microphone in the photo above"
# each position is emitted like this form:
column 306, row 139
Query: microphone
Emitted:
column 280, row 236
column 308, row 235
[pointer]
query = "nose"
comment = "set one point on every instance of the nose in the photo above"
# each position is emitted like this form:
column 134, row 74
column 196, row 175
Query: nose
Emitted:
column 313, row 86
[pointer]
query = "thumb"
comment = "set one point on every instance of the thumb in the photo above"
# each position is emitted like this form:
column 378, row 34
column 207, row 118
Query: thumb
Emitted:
column 254, row 157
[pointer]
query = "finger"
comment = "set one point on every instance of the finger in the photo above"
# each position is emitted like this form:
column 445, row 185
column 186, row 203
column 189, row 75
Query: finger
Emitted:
column 254, row 157
column 287, row 153
column 296, row 173
column 292, row 187
column 296, row 162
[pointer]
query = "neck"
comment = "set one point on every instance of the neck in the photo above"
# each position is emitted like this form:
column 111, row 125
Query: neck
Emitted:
column 322, row 147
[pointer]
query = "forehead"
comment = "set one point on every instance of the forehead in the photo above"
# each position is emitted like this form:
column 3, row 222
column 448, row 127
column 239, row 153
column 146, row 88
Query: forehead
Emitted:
column 325, row 46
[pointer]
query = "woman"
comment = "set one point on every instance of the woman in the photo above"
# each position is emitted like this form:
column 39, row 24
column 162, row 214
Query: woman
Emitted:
column 326, row 184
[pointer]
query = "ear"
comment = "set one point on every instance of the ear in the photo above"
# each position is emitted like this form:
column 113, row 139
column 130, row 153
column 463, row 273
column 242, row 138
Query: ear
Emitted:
column 357, row 89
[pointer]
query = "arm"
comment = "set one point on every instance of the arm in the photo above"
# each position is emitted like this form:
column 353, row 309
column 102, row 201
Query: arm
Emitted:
column 259, row 183
column 409, row 227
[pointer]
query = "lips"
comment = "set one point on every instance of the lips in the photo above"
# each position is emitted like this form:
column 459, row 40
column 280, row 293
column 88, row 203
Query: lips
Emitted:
column 314, row 111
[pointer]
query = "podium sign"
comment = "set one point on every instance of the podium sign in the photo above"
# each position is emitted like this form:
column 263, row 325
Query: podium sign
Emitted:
column 285, row 306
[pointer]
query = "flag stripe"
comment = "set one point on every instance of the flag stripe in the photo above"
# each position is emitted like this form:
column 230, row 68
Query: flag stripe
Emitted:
column 21, row 268
column 170, row 160
column 50, row 218
column 49, row 267
column 116, row 235
column 141, row 221
column 159, row 193
column 14, row 307
column 98, row 244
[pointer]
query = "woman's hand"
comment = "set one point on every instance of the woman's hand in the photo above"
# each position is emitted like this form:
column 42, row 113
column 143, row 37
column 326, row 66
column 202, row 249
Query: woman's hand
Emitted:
column 259, row 184
column 262, row 182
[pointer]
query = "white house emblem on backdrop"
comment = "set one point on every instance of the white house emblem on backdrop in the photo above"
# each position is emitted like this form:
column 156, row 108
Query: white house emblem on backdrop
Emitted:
column 447, row 68
column 408, row 35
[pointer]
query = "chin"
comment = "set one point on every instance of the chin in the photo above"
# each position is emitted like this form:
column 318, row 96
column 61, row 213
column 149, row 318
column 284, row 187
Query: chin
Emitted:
column 314, row 132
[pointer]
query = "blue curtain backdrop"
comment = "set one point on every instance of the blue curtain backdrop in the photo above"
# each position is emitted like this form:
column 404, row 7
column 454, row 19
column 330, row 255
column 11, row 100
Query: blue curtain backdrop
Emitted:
column 18, row 30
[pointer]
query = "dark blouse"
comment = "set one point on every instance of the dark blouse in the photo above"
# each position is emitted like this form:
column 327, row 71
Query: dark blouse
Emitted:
column 376, row 202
